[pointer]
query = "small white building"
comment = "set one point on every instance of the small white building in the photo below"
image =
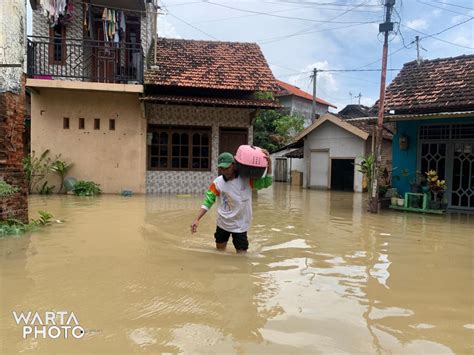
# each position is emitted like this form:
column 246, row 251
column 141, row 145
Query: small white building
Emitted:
column 332, row 148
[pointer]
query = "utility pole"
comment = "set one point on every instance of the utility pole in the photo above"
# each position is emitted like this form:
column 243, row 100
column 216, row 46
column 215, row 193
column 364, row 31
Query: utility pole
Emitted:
column 359, row 96
column 385, row 27
column 313, row 109
column 417, row 40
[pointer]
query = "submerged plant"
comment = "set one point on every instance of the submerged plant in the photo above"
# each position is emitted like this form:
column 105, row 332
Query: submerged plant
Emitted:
column 45, row 189
column 61, row 168
column 86, row 188
column 35, row 168
column 15, row 227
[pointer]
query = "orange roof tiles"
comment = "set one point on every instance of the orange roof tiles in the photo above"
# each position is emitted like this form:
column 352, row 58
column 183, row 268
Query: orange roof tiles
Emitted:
column 210, row 65
column 433, row 86
column 288, row 89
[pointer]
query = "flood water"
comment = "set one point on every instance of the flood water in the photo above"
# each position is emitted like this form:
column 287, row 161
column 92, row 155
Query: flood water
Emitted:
column 321, row 276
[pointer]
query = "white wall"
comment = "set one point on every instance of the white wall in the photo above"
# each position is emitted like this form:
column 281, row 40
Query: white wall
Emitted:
column 12, row 43
column 341, row 144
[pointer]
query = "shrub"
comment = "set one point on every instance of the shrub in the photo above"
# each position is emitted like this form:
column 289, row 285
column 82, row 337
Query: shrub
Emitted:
column 6, row 189
column 86, row 188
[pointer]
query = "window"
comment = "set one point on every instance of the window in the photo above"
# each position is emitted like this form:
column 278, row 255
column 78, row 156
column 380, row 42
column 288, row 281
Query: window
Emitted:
column 96, row 123
column 112, row 125
column 57, row 44
column 179, row 148
column 82, row 123
column 66, row 122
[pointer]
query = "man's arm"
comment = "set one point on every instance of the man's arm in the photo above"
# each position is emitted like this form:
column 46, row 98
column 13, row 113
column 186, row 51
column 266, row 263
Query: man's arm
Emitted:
column 209, row 200
column 267, row 180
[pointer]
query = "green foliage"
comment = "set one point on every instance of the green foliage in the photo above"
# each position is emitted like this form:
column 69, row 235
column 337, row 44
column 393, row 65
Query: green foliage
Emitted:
column 16, row 227
column 263, row 95
column 86, row 188
column 6, row 189
column 43, row 220
column 45, row 189
column 366, row 167
column 61, row 168
column 273, row 130
column 35, row 168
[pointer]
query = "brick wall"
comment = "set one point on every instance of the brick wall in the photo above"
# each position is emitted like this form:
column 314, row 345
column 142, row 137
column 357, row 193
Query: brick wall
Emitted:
column 193, row 181
column 11, row 155
column 386, row 152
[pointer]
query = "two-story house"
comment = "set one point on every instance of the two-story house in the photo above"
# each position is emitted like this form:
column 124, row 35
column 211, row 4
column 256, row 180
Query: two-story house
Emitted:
column 131, row 115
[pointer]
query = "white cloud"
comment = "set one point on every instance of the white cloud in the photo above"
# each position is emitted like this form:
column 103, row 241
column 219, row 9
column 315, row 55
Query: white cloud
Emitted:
column 166, row 29
column 417, row 24
column 463, row 41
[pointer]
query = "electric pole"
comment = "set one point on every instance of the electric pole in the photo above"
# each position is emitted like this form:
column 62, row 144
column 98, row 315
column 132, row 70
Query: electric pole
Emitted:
column 359, row 96
column 385, row 27
column 313, row 109
column 417, row 40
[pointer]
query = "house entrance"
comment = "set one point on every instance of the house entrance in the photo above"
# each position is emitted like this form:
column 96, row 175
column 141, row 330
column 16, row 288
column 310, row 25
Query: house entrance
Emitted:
column 230, row 139
column 342, row 174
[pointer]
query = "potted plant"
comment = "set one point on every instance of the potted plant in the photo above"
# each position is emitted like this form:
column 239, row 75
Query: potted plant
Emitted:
column 437, row 188
column 394, row 198
column 400, row 201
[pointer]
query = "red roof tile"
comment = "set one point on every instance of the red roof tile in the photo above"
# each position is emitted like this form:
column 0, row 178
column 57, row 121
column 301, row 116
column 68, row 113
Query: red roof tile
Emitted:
column 210, row 65
column 433, row 86
column 211, row 101
column 288, row 89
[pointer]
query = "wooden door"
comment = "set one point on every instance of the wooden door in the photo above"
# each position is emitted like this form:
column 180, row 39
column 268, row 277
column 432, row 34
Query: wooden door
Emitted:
column 231, row 139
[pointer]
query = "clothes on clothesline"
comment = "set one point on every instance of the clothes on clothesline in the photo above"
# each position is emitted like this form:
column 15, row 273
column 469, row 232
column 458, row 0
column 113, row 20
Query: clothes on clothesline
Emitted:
column 114, row 25
column 57, row 11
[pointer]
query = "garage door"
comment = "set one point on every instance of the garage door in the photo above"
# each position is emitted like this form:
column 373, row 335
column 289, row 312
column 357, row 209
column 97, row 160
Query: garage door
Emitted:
column 319, row 169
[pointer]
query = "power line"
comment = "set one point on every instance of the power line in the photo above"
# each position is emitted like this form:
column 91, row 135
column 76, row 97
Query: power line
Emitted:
column 446, row 29
column 460, row 6
column 288, row 17
column 190, row 25
column 441, row 8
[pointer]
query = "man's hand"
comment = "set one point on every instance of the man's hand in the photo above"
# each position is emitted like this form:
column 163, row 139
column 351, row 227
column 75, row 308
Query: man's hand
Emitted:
column 194, row 226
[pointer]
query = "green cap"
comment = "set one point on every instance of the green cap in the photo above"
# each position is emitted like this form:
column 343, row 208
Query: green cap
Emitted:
column 225, row 160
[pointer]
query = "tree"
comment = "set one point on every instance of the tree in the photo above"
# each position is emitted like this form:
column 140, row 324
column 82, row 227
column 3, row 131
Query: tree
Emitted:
column 273, row 130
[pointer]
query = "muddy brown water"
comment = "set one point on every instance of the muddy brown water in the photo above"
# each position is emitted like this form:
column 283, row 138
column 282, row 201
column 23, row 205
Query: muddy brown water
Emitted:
column 321, row 276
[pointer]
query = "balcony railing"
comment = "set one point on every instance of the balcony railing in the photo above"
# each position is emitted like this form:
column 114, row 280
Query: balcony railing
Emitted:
column 85, row 60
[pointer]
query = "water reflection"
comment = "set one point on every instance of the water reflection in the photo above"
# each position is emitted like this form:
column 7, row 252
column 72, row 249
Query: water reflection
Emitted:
column 321, row 275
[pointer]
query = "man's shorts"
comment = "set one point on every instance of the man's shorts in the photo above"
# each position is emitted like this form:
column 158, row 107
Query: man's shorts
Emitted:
column 239, row 240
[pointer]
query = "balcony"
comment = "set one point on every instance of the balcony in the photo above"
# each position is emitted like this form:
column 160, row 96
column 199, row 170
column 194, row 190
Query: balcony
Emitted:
column 84, row 60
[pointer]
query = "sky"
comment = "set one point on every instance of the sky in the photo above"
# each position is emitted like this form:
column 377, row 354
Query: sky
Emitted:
column 298, row 35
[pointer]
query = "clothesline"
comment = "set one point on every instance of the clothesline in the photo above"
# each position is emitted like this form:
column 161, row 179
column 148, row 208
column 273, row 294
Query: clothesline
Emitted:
column 122, row 8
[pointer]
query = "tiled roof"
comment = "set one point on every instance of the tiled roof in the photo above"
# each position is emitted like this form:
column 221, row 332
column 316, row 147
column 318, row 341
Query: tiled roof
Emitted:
column 433, row 86
column 369, row 128
column 288, row 89
column 210, row 101
column 210, row 65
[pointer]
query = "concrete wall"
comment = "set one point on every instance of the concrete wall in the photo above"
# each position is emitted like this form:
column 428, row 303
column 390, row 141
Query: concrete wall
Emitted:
column 341, row 144
column 114, row 159
column 193, row 181
column 302, row 107
column 12, row 43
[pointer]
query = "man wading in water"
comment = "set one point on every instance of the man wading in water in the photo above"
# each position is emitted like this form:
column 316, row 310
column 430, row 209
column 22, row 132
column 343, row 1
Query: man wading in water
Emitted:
column 234, row 213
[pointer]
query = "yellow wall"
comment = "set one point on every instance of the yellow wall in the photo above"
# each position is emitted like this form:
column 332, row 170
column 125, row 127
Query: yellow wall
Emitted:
column 114, row 159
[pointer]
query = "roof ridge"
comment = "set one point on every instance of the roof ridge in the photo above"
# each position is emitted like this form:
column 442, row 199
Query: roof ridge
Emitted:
column 204, row 40
column 423, row 61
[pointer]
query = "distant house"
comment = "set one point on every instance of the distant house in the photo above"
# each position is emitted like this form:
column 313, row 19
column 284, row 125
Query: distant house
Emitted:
column 328, row 150
column 200, row 102
column 432, row 104
column 298, row 102
column 354, row 111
